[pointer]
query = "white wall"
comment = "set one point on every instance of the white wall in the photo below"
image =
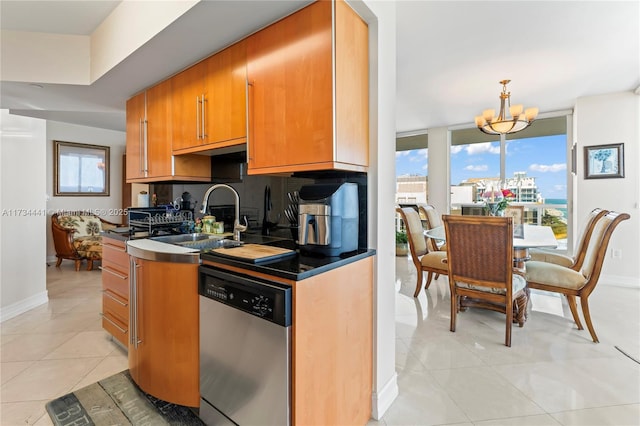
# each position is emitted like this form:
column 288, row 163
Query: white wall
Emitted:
column 23, row 220
column 106, row 207
column 381, row 17
column 611, row 119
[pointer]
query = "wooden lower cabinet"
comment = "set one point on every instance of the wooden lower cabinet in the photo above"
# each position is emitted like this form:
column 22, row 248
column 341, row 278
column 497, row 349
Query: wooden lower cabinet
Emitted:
column 332, row 344
column 163, row 351
column 115, row 289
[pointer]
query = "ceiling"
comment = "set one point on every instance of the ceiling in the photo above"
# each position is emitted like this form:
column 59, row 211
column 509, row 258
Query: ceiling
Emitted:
column 450, row 55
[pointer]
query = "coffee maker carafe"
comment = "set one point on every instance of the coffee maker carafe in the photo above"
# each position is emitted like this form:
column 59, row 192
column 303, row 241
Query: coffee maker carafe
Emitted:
column 328, row 218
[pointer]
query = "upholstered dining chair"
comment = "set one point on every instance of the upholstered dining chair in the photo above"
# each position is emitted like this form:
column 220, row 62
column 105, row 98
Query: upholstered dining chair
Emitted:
column 423, row 259
column 574, row 262
column 480, row 265
column 433, row 219
column 582, row 281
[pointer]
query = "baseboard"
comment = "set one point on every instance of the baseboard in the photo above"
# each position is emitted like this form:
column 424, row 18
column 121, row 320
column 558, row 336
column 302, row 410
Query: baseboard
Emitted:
column 619, row 281
column 23, row 305
column 382, row 400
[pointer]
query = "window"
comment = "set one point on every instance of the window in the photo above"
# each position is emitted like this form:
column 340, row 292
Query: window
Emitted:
column 80, row 169
column 531, row 163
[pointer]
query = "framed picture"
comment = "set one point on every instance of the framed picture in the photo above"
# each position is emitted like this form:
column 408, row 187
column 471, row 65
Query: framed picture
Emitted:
column 604, row 161
column 517, row 213
column 80, row 169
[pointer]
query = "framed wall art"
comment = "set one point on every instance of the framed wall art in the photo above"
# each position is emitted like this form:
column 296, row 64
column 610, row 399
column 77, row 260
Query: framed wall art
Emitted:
column 604, row 161
column 80, row 169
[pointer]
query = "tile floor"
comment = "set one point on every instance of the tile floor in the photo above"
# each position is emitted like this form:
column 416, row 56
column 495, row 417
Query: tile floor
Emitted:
column 552, row 375
column 55, row 348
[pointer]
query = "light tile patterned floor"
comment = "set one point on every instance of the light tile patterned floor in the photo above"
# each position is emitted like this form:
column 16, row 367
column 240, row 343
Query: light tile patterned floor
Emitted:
column 552, row 375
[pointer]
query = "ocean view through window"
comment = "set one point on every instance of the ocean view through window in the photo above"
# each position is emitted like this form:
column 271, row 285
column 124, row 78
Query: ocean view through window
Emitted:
column 532, row 167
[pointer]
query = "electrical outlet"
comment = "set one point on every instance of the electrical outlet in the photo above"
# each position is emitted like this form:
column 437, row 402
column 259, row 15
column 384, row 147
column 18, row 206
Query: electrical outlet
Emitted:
column 616, row 253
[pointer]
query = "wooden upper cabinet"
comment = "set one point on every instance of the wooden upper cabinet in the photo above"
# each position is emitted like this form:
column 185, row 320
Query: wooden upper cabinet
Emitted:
column 149, row 141
column 136, row 116
column 307, row 110
column 211, row 101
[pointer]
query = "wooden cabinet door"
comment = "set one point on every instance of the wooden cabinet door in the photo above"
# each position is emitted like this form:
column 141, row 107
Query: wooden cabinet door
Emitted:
column 290, row 74
column 187, row 91
column 165, row 362
column 159, row 130
column 225, row 93
column 135, row 136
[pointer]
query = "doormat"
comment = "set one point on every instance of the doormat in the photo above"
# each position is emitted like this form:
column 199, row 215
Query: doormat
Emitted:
column 117, row 400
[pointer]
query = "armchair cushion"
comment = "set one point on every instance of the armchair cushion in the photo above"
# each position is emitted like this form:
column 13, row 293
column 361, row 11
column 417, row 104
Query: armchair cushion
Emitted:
column 518, row 282
column 555, row 275
column 83, row 225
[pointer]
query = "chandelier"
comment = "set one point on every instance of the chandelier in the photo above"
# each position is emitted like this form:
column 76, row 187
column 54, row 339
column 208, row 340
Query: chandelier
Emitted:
column 492, row 125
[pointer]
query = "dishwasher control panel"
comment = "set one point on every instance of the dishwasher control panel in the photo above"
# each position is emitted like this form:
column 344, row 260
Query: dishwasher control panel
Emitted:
column 268, row 300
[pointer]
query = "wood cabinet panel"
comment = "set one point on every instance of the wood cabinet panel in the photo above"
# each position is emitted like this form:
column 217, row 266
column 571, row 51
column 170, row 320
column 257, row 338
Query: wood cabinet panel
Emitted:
column 150, row 157
column 308, row 96
column 332, row 346
column 136, row 115
column 115, row 289
column 212, row 97
column 116, row 328
column 165, row 362
column 187, row 88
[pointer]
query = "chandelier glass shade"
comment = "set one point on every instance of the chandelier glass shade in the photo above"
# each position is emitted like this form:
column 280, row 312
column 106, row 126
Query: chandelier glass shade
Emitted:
column 520, row 118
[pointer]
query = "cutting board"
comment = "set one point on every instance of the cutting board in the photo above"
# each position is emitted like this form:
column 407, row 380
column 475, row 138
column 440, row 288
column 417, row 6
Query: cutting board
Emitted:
column 254, row 252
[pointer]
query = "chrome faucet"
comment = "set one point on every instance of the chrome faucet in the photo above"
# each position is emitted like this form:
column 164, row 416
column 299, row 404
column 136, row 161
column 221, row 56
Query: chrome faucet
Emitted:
column 237, row 228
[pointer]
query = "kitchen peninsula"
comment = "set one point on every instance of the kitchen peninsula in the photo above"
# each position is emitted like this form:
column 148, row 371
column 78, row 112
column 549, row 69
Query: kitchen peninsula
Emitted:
column 331, row 330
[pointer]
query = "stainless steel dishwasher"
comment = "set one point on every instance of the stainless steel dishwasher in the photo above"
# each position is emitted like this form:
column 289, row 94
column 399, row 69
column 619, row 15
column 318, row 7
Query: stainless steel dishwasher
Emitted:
column 245, row 349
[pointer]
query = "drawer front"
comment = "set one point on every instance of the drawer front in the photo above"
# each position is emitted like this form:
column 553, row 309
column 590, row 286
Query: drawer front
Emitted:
column 114, row 304
column 116, row 255
column 114, row 327
column 115, row 281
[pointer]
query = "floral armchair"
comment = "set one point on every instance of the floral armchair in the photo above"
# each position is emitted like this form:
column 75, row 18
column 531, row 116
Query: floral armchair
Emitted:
column 76, row 236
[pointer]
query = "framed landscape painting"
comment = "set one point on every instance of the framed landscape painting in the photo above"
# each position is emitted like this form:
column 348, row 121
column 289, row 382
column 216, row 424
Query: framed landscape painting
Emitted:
column 604, row 161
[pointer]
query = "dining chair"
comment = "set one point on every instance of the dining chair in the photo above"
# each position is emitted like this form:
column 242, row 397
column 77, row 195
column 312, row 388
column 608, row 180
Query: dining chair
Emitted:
column 582, row 281
column 574, row 262
column 423, row 259
column 480, row 265
column 433, row 219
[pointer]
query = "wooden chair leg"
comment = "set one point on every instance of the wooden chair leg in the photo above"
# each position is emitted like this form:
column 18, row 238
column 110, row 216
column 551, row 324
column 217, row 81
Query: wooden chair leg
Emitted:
column 418, row 284
column 89, row 264
column 574, row 310
column 584, row 302
column 78, row 262
column 507, row 338
column 58, row 262
column 429, row 278
column 454, row 312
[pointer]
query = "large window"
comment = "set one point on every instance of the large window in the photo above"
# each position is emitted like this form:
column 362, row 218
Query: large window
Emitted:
column 532, row 164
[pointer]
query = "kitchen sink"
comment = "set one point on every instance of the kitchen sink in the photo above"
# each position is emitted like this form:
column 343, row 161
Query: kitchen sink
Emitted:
column 186, row 238
column 198, row 241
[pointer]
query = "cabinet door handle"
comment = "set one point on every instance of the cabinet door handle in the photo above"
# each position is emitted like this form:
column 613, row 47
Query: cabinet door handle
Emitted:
column 114, row 298
column 248, row 88
column 122, row 330
column 197, row 117
column 140, row 138
column 145, row 145
column 133, row 303
column 204, row 118
column 105, row 269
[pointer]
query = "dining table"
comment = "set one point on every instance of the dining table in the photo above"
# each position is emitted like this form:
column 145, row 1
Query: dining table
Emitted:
column 534, row 236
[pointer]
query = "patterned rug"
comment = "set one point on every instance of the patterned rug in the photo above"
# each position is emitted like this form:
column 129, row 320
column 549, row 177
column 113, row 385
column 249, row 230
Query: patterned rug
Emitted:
column 117, row 400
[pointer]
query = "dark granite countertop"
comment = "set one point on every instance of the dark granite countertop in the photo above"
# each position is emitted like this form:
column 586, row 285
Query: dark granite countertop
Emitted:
column 295, row 267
